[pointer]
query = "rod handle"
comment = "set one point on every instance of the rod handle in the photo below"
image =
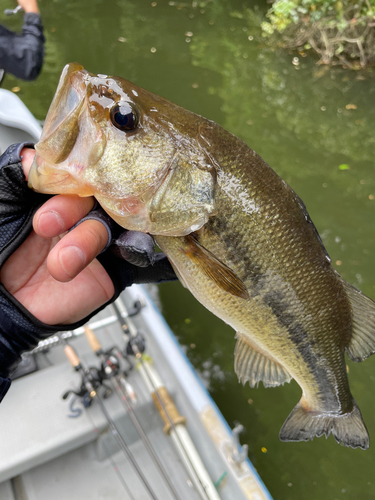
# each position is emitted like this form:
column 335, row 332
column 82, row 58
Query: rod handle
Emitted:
column 72, row 356
column 167, row 409
column 92, row 339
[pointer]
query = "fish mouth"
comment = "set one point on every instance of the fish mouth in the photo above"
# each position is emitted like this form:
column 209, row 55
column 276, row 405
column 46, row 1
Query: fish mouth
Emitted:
column 44, row 178
column 51, row 169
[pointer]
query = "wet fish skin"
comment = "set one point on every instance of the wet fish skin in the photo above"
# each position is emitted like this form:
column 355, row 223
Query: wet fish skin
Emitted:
column 288, row 284
column 237, row 235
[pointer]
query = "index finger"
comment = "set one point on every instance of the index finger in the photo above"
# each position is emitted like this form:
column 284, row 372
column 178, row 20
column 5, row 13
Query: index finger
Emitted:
column 76, row 250
column 60, row 213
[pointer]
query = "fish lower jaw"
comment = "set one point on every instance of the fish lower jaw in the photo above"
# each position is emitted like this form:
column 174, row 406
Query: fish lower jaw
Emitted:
column 46, row 178
column 52, row 183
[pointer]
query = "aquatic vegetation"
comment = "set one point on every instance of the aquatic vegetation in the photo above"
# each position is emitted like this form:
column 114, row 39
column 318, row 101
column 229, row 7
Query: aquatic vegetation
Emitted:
column 340, row 32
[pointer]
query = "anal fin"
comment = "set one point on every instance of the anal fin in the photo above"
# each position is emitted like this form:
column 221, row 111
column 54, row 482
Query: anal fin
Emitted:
column 362, row 344
column 252, row 366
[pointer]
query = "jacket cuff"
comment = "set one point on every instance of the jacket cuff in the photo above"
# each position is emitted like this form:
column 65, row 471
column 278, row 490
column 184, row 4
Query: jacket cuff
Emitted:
column 31, row 18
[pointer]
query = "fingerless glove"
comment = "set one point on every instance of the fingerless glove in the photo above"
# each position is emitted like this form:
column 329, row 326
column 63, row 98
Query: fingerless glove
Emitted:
column 20, row 331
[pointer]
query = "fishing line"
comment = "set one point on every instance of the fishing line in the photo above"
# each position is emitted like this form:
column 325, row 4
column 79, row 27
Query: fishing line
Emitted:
column 144, row 437
column 111, row 371
column 125, row 448
column 161, row 402
column 92, row 394
column 118, row 305
column 112, row 460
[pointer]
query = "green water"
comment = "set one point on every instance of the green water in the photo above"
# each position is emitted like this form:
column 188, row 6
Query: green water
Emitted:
column 305, row 121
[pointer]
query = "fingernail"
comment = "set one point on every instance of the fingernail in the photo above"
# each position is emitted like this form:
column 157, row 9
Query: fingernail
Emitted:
column 72, row 260
column 50, row 224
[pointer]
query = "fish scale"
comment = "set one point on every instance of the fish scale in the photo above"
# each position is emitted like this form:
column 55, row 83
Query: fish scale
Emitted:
column 237, row 235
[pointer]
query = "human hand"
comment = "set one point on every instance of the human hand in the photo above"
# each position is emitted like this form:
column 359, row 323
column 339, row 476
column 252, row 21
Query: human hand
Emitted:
column 29, row 6
column 56, row 276
column 52, row 274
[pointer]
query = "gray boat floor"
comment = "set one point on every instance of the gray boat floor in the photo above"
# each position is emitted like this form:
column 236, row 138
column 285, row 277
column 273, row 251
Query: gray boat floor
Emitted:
column 80, row 474
column 46, row 454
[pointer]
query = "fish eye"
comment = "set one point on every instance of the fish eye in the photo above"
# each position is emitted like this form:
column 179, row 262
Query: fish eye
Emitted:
column 125, row 116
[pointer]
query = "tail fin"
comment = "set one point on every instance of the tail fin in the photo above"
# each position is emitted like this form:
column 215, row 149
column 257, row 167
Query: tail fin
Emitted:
column 349, row 429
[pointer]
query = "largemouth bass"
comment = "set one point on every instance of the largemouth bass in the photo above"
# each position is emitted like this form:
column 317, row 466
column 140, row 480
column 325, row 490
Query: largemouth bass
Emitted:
column 237, row 235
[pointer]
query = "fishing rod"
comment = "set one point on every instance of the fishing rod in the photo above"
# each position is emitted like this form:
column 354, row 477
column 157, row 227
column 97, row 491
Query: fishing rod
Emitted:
column 161, row 398
column 12, row 12
column 174, row 422
column 91, row 381
column 110, row 370
column 113, row 463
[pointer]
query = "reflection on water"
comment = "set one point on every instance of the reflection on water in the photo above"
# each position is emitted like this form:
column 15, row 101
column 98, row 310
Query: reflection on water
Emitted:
column 313, row 125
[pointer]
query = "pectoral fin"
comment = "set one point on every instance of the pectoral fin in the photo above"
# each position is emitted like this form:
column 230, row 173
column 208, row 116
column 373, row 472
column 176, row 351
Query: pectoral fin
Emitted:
column 252, row 366
column 213, row 268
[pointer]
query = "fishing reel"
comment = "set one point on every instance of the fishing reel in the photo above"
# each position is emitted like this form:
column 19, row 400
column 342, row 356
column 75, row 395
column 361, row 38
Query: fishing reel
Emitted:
column 136, row 345
column 133, row 311
column 110, row 364
column 92, row 381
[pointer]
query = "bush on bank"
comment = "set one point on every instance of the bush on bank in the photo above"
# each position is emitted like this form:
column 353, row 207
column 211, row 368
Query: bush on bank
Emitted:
column 339, row 31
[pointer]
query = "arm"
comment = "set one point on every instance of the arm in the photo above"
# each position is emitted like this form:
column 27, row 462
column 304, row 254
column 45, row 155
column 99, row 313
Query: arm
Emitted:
column 29, row 6
column 22, row 54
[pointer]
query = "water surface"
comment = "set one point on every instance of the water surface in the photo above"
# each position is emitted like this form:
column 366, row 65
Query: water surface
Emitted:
column 313, row 125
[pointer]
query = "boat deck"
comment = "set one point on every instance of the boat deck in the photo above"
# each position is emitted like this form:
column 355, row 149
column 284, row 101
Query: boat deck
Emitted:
column 55, row 448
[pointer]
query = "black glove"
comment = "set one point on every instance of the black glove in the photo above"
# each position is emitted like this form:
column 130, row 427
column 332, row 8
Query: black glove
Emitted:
column 22, row 54
column 20, row 331
column 135, row 248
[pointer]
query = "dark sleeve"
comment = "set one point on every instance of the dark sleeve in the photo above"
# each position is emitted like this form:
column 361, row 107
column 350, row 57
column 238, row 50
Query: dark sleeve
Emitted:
column 22, row 54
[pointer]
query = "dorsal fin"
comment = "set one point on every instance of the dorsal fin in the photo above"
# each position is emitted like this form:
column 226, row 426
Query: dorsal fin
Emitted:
column 252, row 366
column 362, row 344
column 213, row 268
